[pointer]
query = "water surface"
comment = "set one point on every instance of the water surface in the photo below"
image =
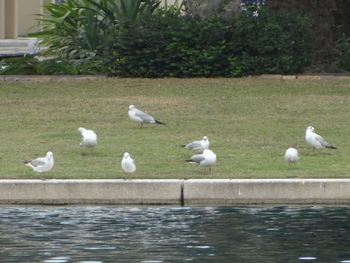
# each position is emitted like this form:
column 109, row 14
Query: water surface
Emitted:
column 174, row 234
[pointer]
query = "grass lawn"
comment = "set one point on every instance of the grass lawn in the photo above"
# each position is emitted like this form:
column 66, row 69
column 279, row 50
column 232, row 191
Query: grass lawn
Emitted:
column 250, row 123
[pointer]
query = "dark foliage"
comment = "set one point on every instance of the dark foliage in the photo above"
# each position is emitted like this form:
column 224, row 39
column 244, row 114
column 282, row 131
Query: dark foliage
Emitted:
column 343, row 60
column 167, row 44
column 32, row 66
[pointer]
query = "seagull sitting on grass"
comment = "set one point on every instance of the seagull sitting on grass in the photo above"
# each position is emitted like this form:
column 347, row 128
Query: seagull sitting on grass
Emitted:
column 128, row 164
column 207, row 159
column 316, row 141
column 41, row 165
column 198, row 146
column 141, row 117
column 291, row 155
column 89, row 138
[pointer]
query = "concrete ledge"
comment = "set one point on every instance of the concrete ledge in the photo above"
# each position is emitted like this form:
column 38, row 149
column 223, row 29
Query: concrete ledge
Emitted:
column 45, row 78
column 267, row 191
column 176, row 192
column 314, row 77
column 162, row 192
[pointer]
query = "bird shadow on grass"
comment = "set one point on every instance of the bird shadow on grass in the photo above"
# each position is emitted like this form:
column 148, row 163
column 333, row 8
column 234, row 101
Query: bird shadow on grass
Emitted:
column 144, row 127
column 92, row 153
column 317, row 153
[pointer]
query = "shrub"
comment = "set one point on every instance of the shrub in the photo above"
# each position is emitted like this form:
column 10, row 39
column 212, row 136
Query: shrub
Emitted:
column 135, row 38
column 32, row 66
column 168, row 44
column 80, row 31
column 343, row 46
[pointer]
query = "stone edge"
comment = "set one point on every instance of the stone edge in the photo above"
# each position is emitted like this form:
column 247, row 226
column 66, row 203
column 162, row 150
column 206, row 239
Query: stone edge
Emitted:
column 176, row 192
column 45, row 78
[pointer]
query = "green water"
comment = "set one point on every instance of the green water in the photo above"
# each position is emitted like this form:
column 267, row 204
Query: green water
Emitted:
column 174, row 234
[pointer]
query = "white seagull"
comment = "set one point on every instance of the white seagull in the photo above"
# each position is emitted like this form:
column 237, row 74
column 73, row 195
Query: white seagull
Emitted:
column 89, row 137
column 198, row 146
column 316, row 141
column 128, row 164
column 207, row 159
column 41, row 165
column 291, row 155
column 141, row 117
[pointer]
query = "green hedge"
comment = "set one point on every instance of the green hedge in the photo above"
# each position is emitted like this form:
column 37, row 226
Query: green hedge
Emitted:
column 168, row 44
column 32, row 66
column 343, row 46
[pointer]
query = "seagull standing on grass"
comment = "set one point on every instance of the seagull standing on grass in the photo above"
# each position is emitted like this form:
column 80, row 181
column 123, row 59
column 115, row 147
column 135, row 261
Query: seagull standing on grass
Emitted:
column 141, row 117
column 128, row 164
column 207, row 159
column 41, row 165
column 89, row 138
column 198, row 146
column 316, row 141
column 291, row 155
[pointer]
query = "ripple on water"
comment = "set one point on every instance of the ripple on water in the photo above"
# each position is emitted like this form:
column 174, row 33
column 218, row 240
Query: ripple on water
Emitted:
column 173, row 234
column 57, row 260
column 307, row 258
column 199, row 247
column 100, row 248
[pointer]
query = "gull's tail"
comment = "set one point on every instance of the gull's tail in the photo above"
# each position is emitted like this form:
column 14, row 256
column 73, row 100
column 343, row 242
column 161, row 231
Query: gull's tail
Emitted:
column 331, row 147
column 159, row 122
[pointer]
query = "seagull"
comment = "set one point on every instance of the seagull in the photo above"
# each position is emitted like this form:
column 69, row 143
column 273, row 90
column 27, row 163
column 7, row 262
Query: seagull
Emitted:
column 41, row 165
column 141, row 117
column 206, row 159
column 291, row 155
column 198, row 146
column 128, row 164
column 89, row 137
column 316, row 141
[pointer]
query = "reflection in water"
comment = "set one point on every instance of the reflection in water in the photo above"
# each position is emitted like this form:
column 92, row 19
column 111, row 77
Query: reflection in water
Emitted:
column 174, row 234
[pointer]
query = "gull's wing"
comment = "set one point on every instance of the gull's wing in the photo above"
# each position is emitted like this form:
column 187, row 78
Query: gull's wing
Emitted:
column 144, row 116
column 38, row 162
column 320, row 139
column 197, row 158
column 193, row 145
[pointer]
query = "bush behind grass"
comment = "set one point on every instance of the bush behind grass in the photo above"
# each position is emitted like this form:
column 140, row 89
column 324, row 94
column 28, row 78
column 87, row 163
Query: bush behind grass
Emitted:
column 168, row 44
column 249, row 122
column 343, row 46
column 132, row 38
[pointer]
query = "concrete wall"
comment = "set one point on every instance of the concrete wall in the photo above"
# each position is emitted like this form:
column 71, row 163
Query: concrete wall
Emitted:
column 170, row 2
column 163, row 192
column 2, row 19
column 26, row 10
column 176, row 192
column 9, row 15
column 267, row 191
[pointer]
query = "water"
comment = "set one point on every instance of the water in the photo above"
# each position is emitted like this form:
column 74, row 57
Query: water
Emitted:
column 174, row 234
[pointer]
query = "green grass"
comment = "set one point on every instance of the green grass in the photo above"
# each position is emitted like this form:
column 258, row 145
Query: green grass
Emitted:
column 250, row 123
